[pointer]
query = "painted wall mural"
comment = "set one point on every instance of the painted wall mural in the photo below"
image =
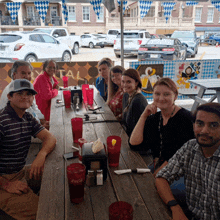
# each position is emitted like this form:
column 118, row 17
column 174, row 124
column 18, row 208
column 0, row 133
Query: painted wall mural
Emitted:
column 181, row 71
column 77, row 72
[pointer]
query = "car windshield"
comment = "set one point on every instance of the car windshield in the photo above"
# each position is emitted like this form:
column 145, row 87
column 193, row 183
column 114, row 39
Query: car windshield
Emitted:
column 130, row 35
column 183, row 34
column 6, row 38
column 43, row 30
column 157, row 41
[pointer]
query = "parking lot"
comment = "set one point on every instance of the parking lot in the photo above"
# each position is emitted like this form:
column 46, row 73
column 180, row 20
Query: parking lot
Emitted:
column 95, row 54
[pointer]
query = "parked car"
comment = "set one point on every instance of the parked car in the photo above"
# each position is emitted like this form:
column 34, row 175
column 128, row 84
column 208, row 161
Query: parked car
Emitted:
column 92, row 40
column 215, row 37
column 62, row 35
column 111, row 36
column 206, row 40
column 32, row 47
column 132, row 41
column 190, row 38
column 162, row 49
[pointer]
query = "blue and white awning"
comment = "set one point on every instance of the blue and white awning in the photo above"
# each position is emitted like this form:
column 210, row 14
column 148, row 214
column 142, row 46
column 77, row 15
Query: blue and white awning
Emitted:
column 168, row 8
column 216, row 4
column 124, row 4
column 191, row 3
column 42, row 7
column 13, row 8
column 65, row 11
column 144, row 7
column 96, row 4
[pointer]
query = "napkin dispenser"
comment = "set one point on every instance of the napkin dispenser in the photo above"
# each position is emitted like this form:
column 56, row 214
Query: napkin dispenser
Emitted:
column 94, row 161
column 76, row 92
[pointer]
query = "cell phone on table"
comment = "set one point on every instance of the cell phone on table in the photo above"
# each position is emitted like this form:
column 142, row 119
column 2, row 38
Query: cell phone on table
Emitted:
column 71, row 155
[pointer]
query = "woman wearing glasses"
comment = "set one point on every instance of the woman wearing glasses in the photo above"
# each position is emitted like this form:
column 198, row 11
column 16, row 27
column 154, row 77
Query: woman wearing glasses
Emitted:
column 47, row 87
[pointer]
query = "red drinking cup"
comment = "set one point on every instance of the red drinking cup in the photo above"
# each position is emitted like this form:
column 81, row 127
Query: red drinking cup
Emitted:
column 84, row 87
column 76, row 174
column 65, row 81
column 77, row 128
column 89, row 94
column 67, row 98
column 120, row 211
column 114, row 147
column 81, row 141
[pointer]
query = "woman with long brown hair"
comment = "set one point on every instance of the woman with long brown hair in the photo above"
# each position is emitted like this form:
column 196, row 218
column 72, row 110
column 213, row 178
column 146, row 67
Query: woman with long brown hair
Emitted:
column 115, row 91
column 133, row 101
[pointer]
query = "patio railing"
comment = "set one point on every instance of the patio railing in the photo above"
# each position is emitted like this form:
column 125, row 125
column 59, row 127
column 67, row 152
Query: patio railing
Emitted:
column 31, row 21
column 53, row 21
column 6, row 20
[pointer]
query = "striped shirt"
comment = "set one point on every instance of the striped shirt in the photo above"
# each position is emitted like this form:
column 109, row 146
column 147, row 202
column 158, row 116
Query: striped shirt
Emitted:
column 15, row 139
column 202, row 179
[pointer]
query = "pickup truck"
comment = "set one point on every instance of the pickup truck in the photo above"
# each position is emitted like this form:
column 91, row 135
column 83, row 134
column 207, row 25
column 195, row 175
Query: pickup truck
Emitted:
column 63, row 36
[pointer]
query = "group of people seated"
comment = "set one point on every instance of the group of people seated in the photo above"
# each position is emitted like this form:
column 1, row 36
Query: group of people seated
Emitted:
column 185, row 147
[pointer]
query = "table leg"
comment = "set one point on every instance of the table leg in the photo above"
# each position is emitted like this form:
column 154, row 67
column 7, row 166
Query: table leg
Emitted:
column 196, row 102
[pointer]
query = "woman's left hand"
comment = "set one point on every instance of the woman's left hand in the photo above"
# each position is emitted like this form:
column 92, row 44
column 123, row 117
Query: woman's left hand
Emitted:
column 57, row 87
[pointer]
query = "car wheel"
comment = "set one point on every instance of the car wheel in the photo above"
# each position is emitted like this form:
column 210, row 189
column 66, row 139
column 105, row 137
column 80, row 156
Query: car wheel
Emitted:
column 75, row 49
column 66, row 56
column 102, row 46
column 118, row 56
column 193, row 56
column 31, row 58
column 91, row 45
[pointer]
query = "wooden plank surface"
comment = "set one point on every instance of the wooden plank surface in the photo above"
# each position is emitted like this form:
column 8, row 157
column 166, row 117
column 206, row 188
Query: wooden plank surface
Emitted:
column 136, row 189
column 51, row 198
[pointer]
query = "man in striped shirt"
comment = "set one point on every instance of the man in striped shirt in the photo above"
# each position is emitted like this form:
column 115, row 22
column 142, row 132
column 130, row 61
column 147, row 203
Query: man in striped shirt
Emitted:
column 16, row 128
column 199, row 162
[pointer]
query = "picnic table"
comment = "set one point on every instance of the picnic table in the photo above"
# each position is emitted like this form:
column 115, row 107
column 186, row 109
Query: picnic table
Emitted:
column 207, row 87
column 137, row 189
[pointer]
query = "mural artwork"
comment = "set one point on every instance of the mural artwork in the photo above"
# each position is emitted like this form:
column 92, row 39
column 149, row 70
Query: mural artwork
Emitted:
column 78, row 73
column 149, row 76
column 187, row 71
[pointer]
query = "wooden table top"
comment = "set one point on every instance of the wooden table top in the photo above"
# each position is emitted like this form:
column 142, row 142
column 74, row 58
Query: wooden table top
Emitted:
column 137, row 189
column 207, row 83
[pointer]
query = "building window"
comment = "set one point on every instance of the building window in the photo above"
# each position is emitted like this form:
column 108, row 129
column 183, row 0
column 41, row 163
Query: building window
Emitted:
column 135, row 13
column 86, row 13
column 151, row 12
column 210, row 15
column 101, row 15
column 198, row 14
column 72, row 13
column 32, row 12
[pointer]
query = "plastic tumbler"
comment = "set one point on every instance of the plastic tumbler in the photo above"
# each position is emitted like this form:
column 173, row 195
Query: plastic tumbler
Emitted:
column 67, row 98
column 76, row 173
column 114, row 147
column 89, row 93
column 65, row 81
column 77, row 128
column 81, row 141
column 84, row 87
column 120, row 210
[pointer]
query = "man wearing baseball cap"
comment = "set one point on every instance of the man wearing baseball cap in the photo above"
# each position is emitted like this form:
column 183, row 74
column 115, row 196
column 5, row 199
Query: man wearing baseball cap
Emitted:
column 22, row 70
column 16, row 128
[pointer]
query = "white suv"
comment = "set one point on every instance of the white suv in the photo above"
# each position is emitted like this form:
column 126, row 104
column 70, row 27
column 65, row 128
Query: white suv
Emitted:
column 32, row 47
column 132, row 41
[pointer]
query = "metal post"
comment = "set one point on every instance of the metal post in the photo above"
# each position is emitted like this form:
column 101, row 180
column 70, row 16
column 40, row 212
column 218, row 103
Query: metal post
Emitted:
column 122, row 35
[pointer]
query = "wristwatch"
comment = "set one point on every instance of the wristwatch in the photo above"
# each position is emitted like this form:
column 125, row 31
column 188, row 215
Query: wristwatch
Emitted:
column 172, row 203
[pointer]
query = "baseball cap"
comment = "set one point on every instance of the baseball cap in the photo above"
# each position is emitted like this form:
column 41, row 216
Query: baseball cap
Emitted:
column 21, row 84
